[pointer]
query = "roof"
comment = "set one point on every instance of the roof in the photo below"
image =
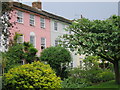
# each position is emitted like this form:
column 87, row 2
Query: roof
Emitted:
column 40, row 12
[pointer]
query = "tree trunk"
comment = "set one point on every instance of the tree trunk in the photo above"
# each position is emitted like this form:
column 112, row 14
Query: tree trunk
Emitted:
column 117, row 72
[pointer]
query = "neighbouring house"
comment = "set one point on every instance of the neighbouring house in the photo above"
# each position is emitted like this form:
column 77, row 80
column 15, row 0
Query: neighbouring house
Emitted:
column 58, row 29
column 39, row 27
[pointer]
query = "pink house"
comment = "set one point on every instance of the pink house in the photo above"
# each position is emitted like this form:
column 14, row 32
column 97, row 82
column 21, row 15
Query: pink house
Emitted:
column 35, row 24
column 32, row 23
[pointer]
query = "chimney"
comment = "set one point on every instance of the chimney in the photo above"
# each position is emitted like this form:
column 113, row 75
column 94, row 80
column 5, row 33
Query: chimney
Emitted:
column 37, row 4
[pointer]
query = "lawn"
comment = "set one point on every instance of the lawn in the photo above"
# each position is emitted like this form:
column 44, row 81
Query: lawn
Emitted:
column 0, row 82
column 110, row 84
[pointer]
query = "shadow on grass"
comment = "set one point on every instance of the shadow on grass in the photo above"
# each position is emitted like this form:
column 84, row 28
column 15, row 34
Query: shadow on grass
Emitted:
column 109, row 84
column 0, row 82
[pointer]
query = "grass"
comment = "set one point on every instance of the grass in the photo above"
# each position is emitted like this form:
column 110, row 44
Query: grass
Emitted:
column 109, row 84
column 0, row 82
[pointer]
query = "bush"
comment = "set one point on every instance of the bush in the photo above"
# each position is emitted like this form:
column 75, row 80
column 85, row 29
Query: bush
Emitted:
column 94, row 73
column 35, row 75
column 91, row 74
column 13, row 56
column 105, row 76
column 58, row 58
column 72, row 82
column 30, row 54
column 88, row 75
column 18, row 52
column 79, row 78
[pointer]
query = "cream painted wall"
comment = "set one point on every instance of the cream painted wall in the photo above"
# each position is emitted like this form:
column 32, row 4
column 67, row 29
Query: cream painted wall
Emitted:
column 59, row 32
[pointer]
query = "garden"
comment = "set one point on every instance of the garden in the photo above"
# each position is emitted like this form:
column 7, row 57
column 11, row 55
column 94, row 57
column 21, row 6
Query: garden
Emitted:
column 99, row 40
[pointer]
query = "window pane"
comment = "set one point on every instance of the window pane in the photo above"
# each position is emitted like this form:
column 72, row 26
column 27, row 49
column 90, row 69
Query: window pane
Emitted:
column 43, row 42
column 42, row 22
column 20, row 39
column 55, row 26
column 19, row 13
column 32, row 17
column 32, row 20
column 56, row 42
column 32, row 40
column 19, row 16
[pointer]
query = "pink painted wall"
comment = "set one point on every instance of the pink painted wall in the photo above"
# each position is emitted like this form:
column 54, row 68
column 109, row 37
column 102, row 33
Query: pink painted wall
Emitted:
column 25, row 29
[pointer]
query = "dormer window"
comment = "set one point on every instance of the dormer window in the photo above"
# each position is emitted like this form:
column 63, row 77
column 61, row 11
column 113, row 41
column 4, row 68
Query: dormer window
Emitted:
column 32, row 20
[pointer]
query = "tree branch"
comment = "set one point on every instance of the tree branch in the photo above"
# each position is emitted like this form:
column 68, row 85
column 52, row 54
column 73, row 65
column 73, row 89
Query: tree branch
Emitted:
column 107, row 58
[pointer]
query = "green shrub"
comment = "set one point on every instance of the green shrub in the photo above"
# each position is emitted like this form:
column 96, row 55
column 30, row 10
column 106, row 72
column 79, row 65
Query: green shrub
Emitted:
column 72, row 82
column 30, row 54
column 13, row 56
column 35, row 75
column 91, row 74
column 105, row 76
column 87, row 77
column 58, row 58
column 18, row 52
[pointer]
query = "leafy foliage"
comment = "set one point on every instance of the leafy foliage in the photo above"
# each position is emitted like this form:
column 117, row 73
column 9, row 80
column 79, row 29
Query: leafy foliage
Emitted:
column 88, row 75
column 14, row 55
column 91, row 61
column 36, row 75
column 18, row 52
column 6, row 25
column 30, row 52
column 80, row 78
column 72, row 82
column 96, row 37
column 57, row 57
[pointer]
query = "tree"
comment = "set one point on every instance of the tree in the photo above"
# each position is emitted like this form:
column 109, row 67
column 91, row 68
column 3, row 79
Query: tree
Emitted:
column 57, row 57
column 6, row 25
column 14, row 55
column 96, row 37
column 3, row 61
column 30, row 52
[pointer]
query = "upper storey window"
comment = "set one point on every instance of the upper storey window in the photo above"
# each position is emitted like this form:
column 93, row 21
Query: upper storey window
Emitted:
column 32, row 20
column 42, row 22
column 55, row 26
column 20, row 17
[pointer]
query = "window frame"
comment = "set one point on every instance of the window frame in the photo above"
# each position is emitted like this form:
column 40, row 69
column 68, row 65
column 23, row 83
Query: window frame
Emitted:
column 32, row 19
column 42, row 22
column 55, row 26
column 22, row 41
column 19, row 17
column 56, row 41
column 71, row 64
column 43, row 44
column 33, row 40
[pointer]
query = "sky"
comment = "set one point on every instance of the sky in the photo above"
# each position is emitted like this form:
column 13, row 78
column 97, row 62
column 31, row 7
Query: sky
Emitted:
column 74, row 9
